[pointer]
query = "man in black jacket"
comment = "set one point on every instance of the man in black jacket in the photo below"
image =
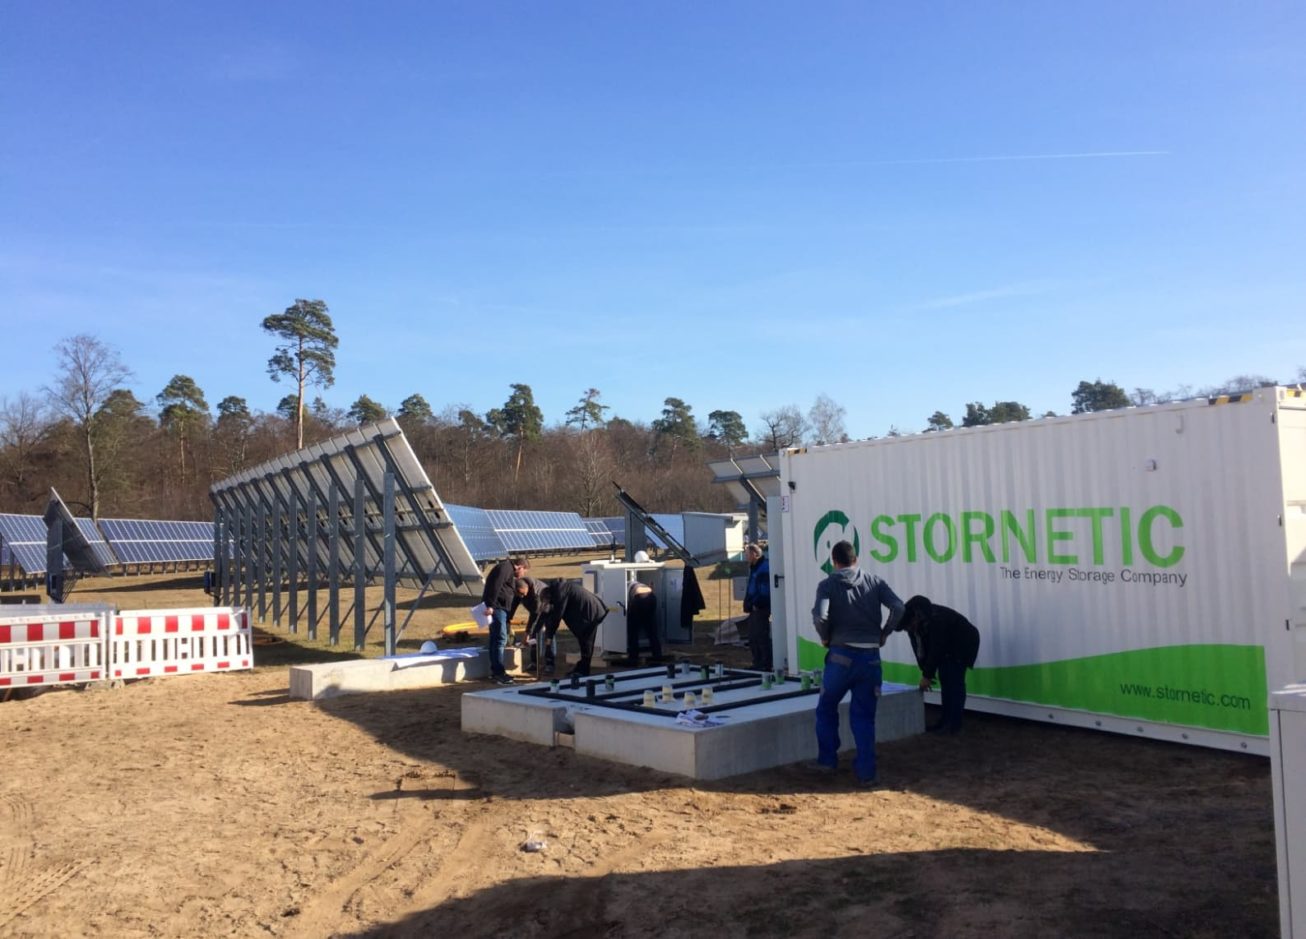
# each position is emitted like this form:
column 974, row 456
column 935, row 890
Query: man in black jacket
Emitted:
column 528, row 595
column 497, row 596
column 567, row 602
column 945, row 643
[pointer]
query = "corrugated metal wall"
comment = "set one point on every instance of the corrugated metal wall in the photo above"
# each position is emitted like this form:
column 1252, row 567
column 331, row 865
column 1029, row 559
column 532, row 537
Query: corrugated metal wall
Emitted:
column 1205, row 479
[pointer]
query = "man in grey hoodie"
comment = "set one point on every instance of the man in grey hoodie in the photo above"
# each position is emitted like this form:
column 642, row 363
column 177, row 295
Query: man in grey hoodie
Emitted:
column 847, row 618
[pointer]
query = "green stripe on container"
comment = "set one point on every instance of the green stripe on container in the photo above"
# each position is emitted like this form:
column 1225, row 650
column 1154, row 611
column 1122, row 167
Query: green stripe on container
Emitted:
column 1212, row 686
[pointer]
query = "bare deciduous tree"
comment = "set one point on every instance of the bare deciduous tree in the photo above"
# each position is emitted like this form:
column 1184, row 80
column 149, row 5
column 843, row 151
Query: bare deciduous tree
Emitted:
column 89, row 372
column 826, row 420
column 784, row 427
column 24, row 426
column 592, row 474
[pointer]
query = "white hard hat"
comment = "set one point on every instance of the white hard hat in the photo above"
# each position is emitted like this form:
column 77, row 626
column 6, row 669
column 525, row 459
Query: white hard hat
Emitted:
column 429, row 647
column 641, row 557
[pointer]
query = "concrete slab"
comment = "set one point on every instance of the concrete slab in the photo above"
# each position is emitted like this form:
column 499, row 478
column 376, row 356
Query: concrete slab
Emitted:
column 400, row 673
column 748, row 727
column 504, row 713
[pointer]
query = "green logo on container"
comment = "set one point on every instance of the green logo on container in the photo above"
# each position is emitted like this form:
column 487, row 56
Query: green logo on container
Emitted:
column 832, row 527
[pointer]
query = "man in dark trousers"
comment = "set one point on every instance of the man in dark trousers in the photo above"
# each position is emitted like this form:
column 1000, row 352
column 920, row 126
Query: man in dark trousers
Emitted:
column 945, row 643
column 567, row 602
column 641, row 620
column 847, row 618
column 757, row 604
column 500, row 586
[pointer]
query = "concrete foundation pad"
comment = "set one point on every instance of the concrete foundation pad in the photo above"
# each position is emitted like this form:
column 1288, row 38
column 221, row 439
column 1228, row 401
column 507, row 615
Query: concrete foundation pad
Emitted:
column 747, row 728
column 504, row 713
column 400, row 673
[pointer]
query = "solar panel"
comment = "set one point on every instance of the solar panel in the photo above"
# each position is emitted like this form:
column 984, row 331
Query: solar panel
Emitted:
column 147, row 541
column 73, row 540
column 616, row 524
column 103, row 553
column 540, row 531
column 24, row 537
column 758, row 471
column 728, row 473
column 600, row 532
column 477, row 533
column 76, row 545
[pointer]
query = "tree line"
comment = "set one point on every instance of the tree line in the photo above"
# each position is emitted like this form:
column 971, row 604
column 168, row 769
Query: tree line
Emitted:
column 111, row 454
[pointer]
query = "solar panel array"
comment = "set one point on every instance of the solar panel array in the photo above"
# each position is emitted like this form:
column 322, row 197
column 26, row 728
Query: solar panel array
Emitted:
column 24, row 537
column 540, row 531
column 115, row 541
column 488, row 535
column 142, row 541
column 477, row 532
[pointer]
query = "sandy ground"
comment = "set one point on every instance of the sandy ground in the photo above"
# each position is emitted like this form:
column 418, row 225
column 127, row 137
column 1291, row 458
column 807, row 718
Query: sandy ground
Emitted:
column 216, row 806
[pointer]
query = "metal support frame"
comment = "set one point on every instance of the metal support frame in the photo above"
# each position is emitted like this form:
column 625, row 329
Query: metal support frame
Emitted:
column 637, row 520
column 360, row 574
column 56, row 587
column 744, row 484
column 314, row 536
column 388, row 602
column 333, row 564
column 358, row 507
column 277, row 544
column 632, row 699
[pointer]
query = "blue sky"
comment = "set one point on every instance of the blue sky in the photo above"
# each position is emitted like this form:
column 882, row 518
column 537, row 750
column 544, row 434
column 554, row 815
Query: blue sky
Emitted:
column 905, row 206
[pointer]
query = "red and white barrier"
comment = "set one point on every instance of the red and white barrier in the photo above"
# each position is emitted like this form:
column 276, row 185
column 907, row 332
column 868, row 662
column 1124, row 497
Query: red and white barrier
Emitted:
column 145, row 643
column 51, row 649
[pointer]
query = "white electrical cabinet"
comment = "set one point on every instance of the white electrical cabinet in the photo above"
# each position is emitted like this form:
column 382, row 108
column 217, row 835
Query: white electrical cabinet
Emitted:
column 1288, row 763
column 610, row 581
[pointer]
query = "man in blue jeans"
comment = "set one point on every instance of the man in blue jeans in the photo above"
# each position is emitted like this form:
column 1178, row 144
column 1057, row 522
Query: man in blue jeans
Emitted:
column 499, row 592
column 847, row 618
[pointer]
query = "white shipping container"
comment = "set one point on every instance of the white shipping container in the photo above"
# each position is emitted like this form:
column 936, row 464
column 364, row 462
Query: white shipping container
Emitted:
column 1140, row 570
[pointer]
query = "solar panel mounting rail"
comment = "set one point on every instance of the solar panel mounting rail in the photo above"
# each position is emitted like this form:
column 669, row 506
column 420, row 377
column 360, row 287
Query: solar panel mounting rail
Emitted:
column 635, row 512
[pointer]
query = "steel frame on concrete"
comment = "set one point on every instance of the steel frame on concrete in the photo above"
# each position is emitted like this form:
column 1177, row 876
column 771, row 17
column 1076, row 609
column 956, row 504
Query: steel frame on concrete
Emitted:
column 352, row 510
column 632, row 699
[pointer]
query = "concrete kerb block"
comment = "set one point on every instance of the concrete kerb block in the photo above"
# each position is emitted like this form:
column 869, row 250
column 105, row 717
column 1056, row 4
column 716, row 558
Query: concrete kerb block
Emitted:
column 518, row 717
column 401, row 673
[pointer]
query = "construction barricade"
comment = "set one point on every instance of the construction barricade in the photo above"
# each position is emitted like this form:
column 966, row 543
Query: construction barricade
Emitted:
column 147, row 643
column 64, row 646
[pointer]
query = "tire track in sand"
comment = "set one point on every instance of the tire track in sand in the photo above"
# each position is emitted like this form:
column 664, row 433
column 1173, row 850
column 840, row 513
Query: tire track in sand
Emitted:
column 20, row 886
column 15, row 845
column 474, row 865
column 322, row 916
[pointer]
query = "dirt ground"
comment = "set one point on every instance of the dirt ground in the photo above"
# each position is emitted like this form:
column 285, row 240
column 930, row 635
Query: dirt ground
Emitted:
column 214, row 805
